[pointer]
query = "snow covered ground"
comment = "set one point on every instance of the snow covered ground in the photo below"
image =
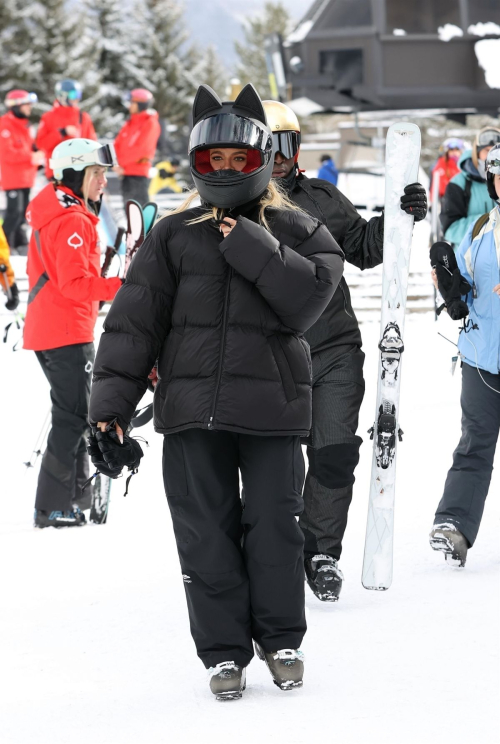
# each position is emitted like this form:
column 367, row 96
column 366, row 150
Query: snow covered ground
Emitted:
column 94, row 629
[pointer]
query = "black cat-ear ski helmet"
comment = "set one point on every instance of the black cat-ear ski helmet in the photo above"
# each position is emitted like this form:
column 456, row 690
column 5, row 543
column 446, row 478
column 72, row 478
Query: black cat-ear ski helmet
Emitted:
column 240, row 123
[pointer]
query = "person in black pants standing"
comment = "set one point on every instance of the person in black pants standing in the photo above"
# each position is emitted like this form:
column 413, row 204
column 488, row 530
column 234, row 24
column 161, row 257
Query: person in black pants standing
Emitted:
column 337, row 359
column 221, row 295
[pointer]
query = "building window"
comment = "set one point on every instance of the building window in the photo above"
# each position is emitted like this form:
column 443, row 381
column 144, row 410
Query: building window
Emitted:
column 425, row 16
column 347, row 14
column 344, row 66
column 482, row 11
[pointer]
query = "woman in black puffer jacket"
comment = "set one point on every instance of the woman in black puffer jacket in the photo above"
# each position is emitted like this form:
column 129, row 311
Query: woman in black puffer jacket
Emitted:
column 222, row 307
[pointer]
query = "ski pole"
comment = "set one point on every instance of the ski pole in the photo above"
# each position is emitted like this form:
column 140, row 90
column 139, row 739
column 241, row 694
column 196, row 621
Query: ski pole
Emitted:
column 37, row 449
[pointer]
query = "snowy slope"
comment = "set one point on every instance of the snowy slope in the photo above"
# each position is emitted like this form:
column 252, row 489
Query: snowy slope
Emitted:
column 96, row 646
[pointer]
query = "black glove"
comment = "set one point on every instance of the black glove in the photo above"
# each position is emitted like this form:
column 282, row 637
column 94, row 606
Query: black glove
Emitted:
column 109, row 456
column 163, row 173
column 451, row 283
column 13, row 301
column 414, row 201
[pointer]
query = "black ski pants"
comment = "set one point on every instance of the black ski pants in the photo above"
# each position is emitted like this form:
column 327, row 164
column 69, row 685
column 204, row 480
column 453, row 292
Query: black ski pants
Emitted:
column 469, row 477
column 17, row 202
column 242, row 564
column 333, row 451
column 65, row 463
column 135, row 187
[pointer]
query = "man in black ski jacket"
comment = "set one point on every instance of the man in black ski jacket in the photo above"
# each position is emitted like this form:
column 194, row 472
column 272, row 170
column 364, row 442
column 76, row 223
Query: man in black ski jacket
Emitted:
column 335, row 341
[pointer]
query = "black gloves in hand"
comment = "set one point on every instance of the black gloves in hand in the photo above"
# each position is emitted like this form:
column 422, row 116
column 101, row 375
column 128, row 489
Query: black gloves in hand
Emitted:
column 451, row 283
column 414, row 201
column 13, row 301
column 109, row 456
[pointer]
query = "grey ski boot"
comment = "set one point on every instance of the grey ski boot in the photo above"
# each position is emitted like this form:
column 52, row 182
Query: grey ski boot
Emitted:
column 286, row 666
column 448, row 539
column 227, row 680
column 324, row 577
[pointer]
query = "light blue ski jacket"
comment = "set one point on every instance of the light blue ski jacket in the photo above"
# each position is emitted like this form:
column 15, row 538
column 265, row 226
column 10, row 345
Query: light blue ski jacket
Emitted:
column 479, row 262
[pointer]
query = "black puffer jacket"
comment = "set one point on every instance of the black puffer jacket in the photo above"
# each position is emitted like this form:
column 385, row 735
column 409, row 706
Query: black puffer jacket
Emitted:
column 362, row 243
column 225, row 319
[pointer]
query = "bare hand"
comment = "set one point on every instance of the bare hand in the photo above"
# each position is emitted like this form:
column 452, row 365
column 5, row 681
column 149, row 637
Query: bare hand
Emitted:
column 38, row 158
column 225, row 230
column 72, row 131
column 119, row 170
column 496, row 289
column 435, row 279
column 153, row 376
column 101, row 425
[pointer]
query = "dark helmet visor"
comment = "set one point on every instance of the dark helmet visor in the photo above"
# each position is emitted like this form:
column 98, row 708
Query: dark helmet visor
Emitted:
column 229, row 130
column 286, row 143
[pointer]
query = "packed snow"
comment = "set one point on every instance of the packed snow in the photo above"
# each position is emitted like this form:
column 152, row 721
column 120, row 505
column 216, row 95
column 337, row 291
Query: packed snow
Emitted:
column 96, row 644
column 487, row 53
column 449, row 31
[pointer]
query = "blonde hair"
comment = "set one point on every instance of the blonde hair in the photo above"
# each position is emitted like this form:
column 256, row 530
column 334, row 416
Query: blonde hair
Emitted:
column 273, row 197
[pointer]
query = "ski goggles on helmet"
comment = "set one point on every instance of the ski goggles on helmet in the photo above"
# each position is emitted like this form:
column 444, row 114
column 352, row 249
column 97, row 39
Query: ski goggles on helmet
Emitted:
column 488, row 138
column 453, row 144
column 19, row 98
column 286, row 143
column 229, row 131
column 103, row 156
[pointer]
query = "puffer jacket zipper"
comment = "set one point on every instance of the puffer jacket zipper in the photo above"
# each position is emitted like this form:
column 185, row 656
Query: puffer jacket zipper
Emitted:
column 222, row 348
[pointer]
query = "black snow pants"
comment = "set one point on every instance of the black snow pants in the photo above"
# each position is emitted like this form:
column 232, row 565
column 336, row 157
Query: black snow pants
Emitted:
column 333, row 451
column 65, row 464
column 17, row 202
column 242, row 564
column 135, row 187
column 469, row 477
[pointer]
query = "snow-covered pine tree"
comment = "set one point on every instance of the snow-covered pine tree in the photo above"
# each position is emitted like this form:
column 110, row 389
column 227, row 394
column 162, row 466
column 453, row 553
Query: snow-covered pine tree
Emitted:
column 46, row 41
column 274, row 18
column 164, row 67
column 210, row 70
column 114, row 63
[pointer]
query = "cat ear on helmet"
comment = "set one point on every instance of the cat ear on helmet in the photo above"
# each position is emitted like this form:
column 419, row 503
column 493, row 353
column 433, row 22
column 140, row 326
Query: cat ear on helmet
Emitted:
column 249, row 101
column 205, row 101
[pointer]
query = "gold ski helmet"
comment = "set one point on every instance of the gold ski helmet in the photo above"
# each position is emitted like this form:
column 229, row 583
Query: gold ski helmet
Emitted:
column 285, row 127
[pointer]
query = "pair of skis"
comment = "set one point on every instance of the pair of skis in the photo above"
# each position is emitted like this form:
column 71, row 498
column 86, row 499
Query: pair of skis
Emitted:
column 140, row 221
column 402, row 163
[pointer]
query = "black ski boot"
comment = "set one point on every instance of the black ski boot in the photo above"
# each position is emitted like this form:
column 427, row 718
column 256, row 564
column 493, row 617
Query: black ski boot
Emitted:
column 75, row 518
column 448, row 539
column 286, row 666
column 324, row 577
column 227, row 680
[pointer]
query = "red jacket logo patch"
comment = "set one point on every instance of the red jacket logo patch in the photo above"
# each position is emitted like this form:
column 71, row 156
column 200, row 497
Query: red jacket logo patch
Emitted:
column 75, row 241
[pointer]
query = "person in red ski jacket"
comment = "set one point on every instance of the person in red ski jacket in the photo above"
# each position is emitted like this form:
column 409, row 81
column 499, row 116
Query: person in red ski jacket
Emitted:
column 447, row 165
column 135, row 146
column 18, row 164
column 64, row 121
column 65, row 287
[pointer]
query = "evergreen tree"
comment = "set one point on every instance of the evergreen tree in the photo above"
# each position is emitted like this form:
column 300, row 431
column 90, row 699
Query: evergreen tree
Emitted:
column 211, row 71
column 44, row 42
column 274, row 19
column 113, row 65
column 164, row 67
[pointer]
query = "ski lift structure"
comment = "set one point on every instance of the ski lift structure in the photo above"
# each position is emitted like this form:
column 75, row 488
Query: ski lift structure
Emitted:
column 374, row 55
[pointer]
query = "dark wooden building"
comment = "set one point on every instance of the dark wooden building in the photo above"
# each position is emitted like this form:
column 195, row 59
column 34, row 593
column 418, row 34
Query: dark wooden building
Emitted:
column 390, row 54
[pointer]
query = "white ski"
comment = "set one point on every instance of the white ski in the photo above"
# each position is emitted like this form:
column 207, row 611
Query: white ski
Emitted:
column 402, row 161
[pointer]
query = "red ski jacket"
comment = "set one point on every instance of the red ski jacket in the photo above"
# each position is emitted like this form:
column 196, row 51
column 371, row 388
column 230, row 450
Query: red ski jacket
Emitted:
column 64, row 271
column 136, row 142
column 447, row 168
column 52, row 123
column 16, row 150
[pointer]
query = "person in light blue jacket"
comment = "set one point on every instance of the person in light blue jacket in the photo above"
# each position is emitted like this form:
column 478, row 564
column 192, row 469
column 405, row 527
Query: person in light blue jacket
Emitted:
column 328, row 170
column 460, row 510
column 466, row 197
